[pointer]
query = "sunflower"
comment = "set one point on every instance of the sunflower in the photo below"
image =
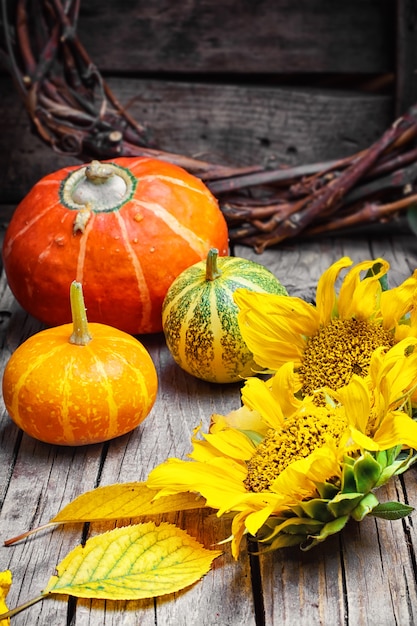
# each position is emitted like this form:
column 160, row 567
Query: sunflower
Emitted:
column 289, row 471
column 334, row 339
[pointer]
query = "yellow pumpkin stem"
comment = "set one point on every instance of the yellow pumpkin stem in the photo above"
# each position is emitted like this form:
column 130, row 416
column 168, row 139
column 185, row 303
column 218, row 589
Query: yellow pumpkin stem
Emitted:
column 212, row 271
column 80, row 334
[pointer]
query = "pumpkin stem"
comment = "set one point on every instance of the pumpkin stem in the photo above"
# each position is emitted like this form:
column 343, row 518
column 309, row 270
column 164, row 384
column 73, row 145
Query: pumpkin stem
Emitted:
column 98, row 173
column 80, row 334
column 98, row 186
column 212, row 271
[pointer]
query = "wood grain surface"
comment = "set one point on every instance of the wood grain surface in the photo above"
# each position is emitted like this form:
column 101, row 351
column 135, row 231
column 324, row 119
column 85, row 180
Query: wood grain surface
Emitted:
column 364, row 576
column 241, row 36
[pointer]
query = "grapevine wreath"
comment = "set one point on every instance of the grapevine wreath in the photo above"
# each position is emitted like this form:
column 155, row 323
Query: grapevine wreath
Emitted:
column 74, row 111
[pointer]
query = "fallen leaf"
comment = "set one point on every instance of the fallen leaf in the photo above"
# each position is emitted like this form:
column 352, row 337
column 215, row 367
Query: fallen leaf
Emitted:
column 124, row 500
column 132, row 562
column 5, row 584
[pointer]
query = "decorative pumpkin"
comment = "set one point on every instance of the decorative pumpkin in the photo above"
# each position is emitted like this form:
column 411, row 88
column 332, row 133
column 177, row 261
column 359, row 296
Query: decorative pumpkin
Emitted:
column 199, row 317
column 79, row 383
column 124, row 229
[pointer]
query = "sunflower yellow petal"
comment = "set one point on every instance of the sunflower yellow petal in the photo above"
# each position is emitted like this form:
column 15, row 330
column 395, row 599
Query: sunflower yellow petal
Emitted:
column 251, row 501
column 398, row 301
column 257, row 519
column 286, row 379
column 203, row 450
column 363, row 441
column 274, row 327
column 395, row 372
column 232, row 443
column 326, row 298
column 396, row 429
column 218, row 481
column 361, row 298
column 257, row 396
column 238, row 530
column 411, row 324
column 5, row 584
column 240, row 419
column 356, row 401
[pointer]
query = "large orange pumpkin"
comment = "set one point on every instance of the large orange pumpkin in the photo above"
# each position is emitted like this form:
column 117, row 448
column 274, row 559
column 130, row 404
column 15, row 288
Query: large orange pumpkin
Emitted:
column 79, row 383
column 125, row 229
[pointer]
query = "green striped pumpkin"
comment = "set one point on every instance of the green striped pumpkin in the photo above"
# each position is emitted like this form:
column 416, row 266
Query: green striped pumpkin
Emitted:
column 199, row 317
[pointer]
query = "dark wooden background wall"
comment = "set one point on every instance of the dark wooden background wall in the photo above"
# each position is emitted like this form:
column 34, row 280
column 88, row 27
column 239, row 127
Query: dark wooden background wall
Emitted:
column 237, row 82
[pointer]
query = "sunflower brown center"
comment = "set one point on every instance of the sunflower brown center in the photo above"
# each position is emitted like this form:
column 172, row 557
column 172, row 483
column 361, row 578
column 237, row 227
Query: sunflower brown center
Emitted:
column 341, row 348
column 299, row 437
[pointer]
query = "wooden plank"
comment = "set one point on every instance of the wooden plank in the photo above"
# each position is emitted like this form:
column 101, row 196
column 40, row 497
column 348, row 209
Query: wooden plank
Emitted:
column 323, row 586
column 406, row 79
column 240, row 36
column 233, row 124
column 247, row 125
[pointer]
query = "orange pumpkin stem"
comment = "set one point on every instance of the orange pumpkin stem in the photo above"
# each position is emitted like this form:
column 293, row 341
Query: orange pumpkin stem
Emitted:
column 212, row 270
column 80, row 334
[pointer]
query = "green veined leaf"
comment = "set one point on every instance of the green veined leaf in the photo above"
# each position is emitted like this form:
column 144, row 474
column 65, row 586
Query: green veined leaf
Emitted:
column 124, row 500
column 132, row 562
column 392, row 510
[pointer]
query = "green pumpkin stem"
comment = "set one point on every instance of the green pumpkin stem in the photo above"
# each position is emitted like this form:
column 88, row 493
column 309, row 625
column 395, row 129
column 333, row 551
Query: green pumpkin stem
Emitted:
column 212, row 271
column 80, row 334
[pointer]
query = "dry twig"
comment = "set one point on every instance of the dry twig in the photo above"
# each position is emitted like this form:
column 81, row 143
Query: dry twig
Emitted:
column 74, row 111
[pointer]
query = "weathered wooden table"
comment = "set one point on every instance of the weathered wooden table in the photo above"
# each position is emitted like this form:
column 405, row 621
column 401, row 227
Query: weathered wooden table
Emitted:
column 366, row 575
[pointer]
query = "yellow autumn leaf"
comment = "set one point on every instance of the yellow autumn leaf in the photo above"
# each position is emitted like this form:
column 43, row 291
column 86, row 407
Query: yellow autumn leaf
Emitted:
column 124, row 500
column 5, row 584
column 132, row 562
column 118, row 501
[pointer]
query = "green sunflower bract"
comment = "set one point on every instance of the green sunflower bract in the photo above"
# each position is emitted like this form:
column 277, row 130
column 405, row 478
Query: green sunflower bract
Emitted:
column 292, row 470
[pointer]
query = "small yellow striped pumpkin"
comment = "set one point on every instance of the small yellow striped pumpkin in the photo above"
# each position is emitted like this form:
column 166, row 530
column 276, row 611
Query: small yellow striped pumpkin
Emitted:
column 79, row 384
column 199, row 317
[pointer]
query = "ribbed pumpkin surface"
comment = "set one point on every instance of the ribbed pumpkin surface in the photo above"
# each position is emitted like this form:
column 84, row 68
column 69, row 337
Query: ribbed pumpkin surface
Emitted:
column 66, row 394
column 125, row 253
column 199, row 319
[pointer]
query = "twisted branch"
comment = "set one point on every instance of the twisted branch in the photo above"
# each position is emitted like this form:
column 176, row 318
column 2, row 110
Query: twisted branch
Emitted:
column 74, row 111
